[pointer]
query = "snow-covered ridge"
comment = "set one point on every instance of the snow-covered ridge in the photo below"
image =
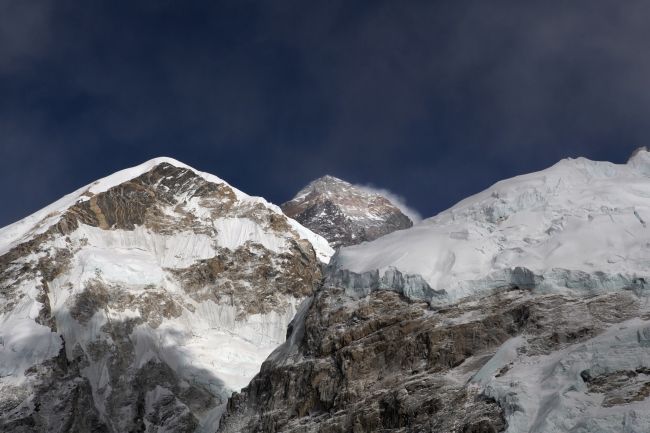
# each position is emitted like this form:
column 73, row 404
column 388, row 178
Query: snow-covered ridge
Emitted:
column 582, row 216
column 41, row 220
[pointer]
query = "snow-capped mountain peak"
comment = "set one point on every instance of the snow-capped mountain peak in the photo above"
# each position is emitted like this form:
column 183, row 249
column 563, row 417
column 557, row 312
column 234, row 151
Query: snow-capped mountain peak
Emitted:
column 142, row 300
column 343, row 213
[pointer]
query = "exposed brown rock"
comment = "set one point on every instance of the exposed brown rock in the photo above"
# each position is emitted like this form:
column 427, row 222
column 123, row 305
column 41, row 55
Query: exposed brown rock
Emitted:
column 376, row 364
column 620, row 387
column 384, row 363
column 138, row 202
column 154, row 304
column 252, row 278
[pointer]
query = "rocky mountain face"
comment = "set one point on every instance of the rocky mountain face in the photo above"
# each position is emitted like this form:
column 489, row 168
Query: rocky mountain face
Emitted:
column 511, row 361
column 140, row 302
column 525, row 308
column 343, row 213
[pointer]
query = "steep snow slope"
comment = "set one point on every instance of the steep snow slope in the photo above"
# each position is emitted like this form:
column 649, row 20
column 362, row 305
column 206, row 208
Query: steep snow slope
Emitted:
column 141, row 301
column 577, row 225
column 343, row 213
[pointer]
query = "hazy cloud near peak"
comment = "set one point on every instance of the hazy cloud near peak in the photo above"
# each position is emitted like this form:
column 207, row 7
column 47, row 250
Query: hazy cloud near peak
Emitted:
column 396, row 199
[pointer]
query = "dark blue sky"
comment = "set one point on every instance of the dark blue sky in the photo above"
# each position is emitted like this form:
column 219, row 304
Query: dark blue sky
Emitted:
column 433, row 100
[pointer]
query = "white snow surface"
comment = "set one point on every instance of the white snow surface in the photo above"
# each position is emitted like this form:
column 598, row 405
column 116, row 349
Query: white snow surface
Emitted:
column 546, row 393
column 579, row 215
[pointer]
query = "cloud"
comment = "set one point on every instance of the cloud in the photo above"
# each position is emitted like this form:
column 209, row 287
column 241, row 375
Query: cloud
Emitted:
column 24, row 31
column 396, row 199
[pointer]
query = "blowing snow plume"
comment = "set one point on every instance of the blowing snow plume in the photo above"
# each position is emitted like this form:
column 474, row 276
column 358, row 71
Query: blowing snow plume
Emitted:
column 396, row 199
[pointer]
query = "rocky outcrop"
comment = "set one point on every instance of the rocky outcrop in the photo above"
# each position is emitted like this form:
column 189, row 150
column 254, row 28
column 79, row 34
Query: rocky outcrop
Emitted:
column 252, row 278
column 375, row 364
column 60, row 400
column 384, row 362
column 343, row 213
column 620, row 387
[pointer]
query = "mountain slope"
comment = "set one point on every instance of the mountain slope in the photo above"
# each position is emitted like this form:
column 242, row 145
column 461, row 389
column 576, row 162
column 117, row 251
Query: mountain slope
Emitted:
column 580, row 215
column 344, row 214
column 139, row 302
column 524, row 308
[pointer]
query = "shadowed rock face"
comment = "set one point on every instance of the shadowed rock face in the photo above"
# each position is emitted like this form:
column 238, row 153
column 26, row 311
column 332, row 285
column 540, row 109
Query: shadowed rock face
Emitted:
column 386, row 363
column 61, row 398
column 136, row 293
column 620, row 387
column 344, row 214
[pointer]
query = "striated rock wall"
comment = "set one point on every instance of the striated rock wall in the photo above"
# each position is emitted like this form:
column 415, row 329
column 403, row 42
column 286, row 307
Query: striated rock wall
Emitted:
column 384, row 362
